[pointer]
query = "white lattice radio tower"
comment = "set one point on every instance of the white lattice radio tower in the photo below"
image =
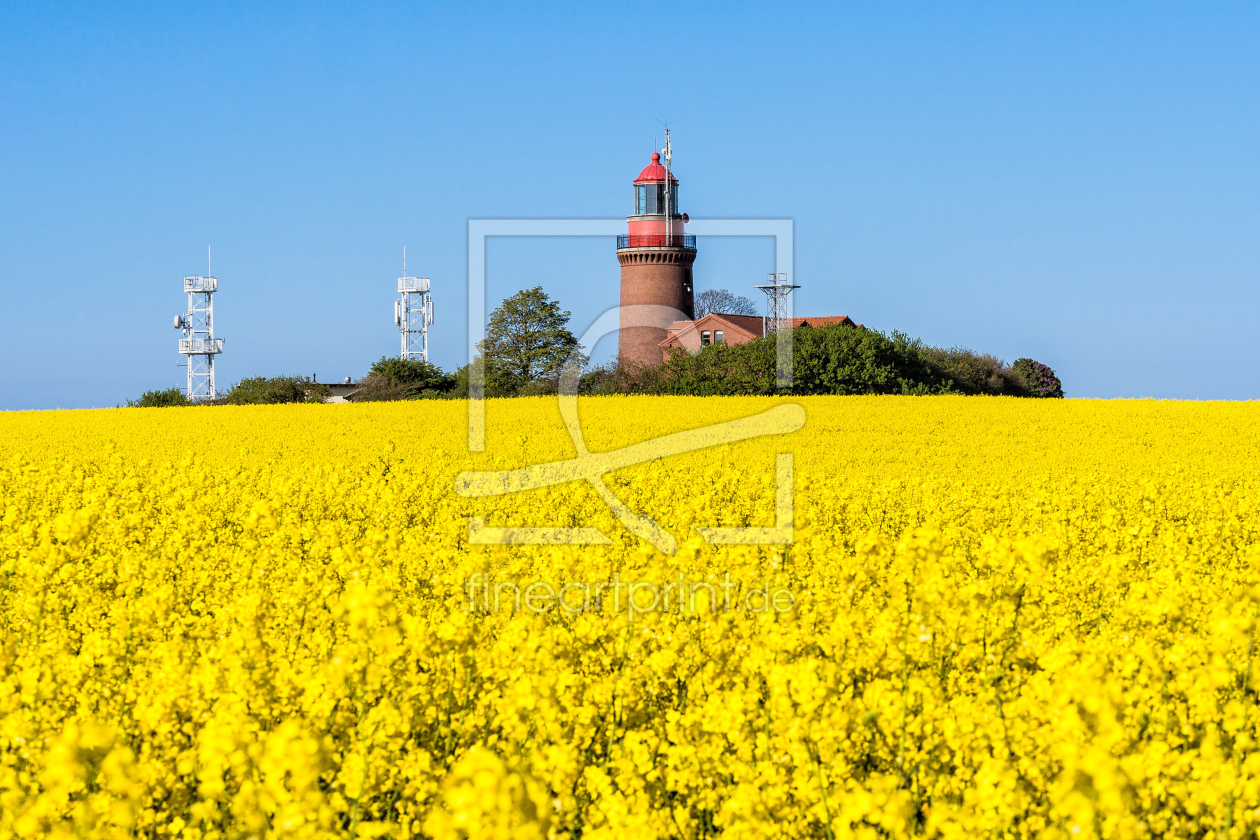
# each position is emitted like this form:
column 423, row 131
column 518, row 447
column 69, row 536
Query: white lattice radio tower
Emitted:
column 778, row 308
column 199, row 344
column 413, row 313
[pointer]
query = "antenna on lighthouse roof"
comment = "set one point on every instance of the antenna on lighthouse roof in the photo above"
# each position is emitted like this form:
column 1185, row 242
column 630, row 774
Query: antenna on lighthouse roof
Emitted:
column 669, row 192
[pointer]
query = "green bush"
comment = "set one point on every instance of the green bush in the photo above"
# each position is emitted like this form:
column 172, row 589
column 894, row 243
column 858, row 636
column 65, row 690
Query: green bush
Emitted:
column 836, row 359
column 159, row 399
column 378, row 388
column 1038, row 379
column 459, row 390
column 276, row 390
column 604, row 379
column 719, row 369
column 840, row 359
column 414, row 374
column 974, row 373
column 396, row 378
column 538, row 388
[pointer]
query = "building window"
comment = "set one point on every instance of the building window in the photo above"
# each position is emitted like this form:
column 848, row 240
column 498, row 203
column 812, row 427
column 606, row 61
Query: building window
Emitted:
column 717, row 337
column 704, row 338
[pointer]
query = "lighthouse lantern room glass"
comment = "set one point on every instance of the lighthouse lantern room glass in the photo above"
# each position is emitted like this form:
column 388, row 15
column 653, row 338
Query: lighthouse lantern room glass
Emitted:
column 649, row 200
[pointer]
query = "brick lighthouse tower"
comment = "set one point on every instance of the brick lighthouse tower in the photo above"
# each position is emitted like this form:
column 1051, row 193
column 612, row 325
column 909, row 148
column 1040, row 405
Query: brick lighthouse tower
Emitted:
column 656, row 259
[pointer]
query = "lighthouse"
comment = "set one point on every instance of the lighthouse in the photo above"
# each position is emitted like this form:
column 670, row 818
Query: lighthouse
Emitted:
column 656, row 258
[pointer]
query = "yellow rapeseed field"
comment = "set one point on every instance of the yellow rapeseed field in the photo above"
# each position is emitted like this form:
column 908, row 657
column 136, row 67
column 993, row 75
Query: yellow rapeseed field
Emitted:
column 1007, row 618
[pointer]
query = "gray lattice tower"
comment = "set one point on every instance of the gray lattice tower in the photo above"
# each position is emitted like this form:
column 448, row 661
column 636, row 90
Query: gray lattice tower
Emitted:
column 199, row 344
column 778, row 305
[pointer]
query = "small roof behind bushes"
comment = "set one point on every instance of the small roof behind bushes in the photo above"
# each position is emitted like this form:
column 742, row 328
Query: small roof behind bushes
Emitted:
column 821, row 321
column 739, row 328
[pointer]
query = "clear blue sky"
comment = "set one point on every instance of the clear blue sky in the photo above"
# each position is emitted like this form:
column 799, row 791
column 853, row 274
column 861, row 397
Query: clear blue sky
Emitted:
column 1076, row 182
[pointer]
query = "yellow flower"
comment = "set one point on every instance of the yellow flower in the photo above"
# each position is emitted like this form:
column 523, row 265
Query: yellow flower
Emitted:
column 1008, row 618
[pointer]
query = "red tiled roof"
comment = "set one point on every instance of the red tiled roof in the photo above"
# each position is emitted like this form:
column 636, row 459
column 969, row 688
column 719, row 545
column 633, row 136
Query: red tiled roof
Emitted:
column 820, row 321
column 748, row 323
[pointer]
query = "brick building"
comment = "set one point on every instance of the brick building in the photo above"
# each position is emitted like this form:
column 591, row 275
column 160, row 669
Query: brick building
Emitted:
column 716, row 328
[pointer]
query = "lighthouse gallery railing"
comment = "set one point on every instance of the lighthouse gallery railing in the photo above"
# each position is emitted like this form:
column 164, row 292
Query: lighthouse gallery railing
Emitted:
column 656, row 240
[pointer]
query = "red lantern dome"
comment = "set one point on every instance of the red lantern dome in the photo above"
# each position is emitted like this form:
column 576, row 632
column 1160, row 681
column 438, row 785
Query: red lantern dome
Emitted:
column 654, row 172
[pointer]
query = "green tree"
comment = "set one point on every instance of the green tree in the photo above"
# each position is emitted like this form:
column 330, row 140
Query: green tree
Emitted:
column 275, row 390
column 527, row 341
column 159, row 399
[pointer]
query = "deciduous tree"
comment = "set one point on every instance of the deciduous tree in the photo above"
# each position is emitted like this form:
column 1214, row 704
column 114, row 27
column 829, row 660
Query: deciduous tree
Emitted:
column 723, row 302
column 527, row 340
